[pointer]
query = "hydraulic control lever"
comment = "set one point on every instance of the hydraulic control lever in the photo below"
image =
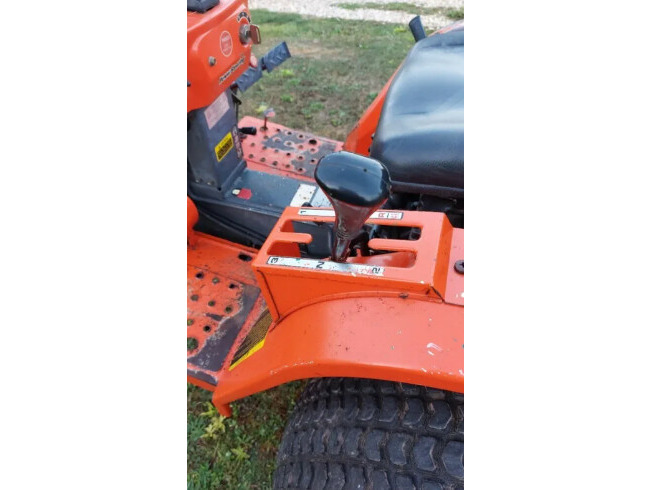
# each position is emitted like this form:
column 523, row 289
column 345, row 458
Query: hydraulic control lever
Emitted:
column 356, row 186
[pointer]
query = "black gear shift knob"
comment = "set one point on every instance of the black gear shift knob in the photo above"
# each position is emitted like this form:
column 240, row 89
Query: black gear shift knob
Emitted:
column 357, row 186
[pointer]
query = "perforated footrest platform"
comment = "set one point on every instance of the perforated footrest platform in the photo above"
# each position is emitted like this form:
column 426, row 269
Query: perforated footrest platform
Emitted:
column 221, row 306
column 283, row 150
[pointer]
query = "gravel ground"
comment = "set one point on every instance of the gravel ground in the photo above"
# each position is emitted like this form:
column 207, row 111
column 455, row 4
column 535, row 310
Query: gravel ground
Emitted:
column 328, row 8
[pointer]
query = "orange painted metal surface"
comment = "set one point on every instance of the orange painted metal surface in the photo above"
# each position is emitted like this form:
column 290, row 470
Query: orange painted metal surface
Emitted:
column 396, row 316
column 382, row 337
column 192, row 219
column 304, row 281
column 405, row 325
column 394, row 326
column 391, row 327
column 215, row 55
column 223, row 302
column 284, row 151
column 455, row 291
column 211, row 297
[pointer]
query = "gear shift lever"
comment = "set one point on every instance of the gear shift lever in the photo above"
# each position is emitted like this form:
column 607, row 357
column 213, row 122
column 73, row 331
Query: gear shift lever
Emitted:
column 357, row 186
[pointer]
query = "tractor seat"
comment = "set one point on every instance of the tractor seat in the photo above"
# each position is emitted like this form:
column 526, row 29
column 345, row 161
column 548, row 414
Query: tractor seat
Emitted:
column 201, row 6
column 420, row 135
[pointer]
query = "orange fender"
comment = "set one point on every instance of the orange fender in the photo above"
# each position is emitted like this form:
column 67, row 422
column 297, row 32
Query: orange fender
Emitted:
column 409, row 340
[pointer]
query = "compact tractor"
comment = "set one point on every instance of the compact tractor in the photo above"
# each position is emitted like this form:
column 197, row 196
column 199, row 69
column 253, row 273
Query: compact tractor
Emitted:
column 337, row 262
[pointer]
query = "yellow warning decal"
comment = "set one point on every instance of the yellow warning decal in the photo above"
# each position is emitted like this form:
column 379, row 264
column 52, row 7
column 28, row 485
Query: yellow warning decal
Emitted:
column 254, row 341
column 224, row 146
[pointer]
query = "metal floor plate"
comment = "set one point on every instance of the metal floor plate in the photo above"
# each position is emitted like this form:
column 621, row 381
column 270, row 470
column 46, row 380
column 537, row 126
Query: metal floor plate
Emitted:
column 221, row 307
column 283, row 150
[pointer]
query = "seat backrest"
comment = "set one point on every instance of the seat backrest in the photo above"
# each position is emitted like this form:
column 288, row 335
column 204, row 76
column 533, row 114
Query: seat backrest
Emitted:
column 420, row 134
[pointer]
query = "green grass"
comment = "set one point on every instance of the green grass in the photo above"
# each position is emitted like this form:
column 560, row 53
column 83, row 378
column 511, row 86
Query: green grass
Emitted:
column 337, row 69
column 407, row 7
column 237, row 452
column 456, row 14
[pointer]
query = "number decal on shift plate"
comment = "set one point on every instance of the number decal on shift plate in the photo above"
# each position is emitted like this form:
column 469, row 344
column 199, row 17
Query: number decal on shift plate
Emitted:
column 330, row 213
column 368, row 270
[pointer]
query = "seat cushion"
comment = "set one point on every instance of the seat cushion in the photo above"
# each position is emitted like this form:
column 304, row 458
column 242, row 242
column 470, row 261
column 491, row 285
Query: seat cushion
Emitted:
column 201, row 6
column 420, row 135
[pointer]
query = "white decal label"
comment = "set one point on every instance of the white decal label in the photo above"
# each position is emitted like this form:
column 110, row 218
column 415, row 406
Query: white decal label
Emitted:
column 320, row 200
column 316, row 212
column 216, row 110
column 302, row 195
column 325, row 265
column 330, row 213
column 386, row 215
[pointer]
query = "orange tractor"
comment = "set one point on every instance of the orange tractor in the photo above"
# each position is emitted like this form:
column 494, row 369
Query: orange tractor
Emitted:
column 341, row 263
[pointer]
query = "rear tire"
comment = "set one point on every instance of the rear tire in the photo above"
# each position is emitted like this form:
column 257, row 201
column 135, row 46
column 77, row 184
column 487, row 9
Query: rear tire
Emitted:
column 348, row 433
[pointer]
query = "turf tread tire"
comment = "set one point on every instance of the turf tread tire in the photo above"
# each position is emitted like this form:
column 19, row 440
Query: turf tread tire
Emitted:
column 348, row 433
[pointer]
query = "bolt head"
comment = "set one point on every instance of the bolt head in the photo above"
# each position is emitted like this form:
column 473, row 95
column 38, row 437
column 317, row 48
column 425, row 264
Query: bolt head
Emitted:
column 459, row 266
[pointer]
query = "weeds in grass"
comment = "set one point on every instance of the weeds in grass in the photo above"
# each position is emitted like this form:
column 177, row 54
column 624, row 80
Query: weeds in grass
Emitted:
column 237, row 452
column 240, row 454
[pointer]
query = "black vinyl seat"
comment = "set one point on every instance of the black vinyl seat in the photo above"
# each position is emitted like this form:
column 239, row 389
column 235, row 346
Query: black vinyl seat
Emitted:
column 201, row 6
column 420, row 135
